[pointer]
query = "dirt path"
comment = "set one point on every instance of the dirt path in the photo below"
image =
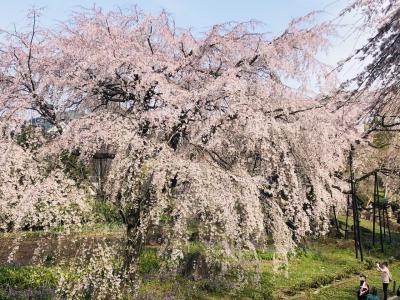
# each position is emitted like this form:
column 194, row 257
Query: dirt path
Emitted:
column 302, row 295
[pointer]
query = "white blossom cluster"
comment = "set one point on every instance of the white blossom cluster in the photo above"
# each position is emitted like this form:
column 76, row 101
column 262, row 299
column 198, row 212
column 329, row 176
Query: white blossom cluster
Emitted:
column 33, row 197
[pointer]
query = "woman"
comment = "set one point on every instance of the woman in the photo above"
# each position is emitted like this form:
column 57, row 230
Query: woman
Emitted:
column 386, row 277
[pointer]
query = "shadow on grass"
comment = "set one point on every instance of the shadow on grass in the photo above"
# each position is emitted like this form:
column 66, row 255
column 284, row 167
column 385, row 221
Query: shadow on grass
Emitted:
column 391, row 247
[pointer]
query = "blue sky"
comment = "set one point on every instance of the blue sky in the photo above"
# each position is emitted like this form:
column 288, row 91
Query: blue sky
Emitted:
column 197, row 14
column 193, row 13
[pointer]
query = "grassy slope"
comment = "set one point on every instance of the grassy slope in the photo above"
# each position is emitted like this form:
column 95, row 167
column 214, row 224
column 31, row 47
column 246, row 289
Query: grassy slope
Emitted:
column 346, row 290
column 328, row 269
column 313, row 274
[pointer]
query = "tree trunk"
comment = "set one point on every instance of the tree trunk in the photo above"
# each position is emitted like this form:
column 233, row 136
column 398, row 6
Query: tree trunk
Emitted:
column 135, row 217
column 133, row 248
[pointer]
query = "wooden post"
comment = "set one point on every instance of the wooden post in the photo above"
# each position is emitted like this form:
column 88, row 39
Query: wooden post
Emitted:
column 374, row 208
column 384, row 223
column 388, row 226
column 356, row 218
column 347, row 217
column 380, row 217
column 358, row 226
column 336, row 221
column 354, row 223
column 101, row 161
column 354, row 229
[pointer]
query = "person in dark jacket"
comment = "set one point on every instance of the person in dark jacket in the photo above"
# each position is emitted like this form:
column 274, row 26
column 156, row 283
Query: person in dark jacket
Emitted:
column 363, row 289
column 373, row 295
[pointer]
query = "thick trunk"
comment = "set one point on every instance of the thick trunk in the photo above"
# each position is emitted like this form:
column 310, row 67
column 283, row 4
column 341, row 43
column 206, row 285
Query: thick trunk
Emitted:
column 133, row 248
column 134, row 219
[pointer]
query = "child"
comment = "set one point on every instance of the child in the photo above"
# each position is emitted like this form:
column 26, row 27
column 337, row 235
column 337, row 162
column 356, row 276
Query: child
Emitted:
column 373, row 295
column 363, row 290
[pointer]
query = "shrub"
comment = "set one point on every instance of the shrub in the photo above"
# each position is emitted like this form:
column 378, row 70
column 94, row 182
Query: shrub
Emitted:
column 395, row 206
column 369, row 264
column 265, row 255
column 27, row 277
column 106, row 212
column 73, row 166
column 262, row 289
column 149, row 261
column 95, row 276
column 27, row 283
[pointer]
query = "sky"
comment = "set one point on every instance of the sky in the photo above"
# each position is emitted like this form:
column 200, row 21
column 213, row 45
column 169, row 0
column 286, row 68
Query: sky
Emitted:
column 188, row 13
column 200, row 15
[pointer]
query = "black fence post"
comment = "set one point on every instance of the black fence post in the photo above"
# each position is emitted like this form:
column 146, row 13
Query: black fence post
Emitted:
column 346, row 231
column 336, row 221
column 374, row 208
column 388, row 225
column 380, row 216
column 356, row 216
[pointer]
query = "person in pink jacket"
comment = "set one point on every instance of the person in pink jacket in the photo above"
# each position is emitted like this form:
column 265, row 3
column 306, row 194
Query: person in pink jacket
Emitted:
column 386, row 277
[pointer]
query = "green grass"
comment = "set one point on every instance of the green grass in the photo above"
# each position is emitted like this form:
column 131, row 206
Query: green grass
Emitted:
column 149, row 261
column 27, row 277
column 106, row 212
column 23, row 282
column 336, row 261
column 319, row 265
column 315, row 269
column 325, row 269
column 347, row 290
column 173, row 288
column 326, row 262
column 390, row 249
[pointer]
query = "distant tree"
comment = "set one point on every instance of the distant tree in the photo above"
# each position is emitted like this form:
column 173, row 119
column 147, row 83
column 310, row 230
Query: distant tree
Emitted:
column 378, row 83
column 377, row 86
